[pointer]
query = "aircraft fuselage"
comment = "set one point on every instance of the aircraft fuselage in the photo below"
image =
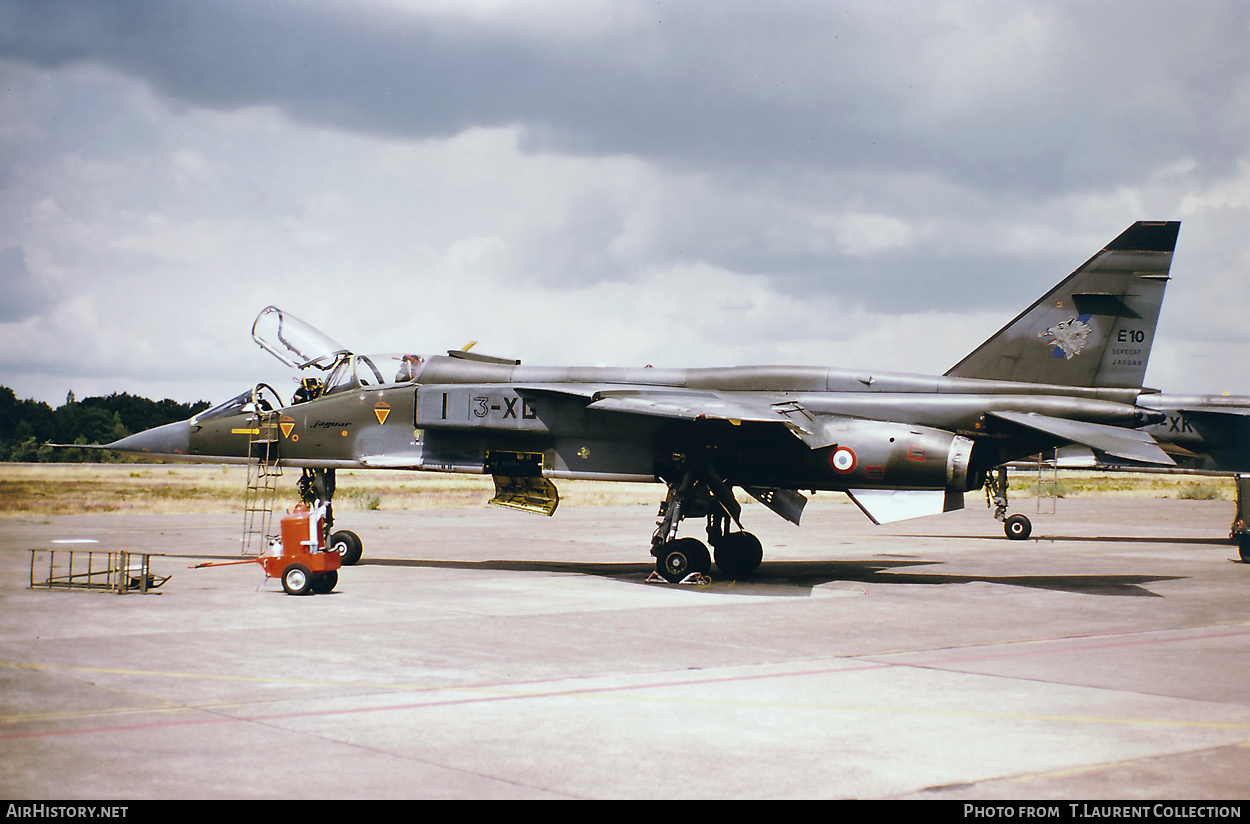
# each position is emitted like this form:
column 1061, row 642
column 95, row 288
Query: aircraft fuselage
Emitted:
column 461, row 416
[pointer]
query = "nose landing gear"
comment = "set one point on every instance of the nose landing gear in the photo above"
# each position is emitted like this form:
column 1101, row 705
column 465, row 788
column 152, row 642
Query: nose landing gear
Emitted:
column 317, row 486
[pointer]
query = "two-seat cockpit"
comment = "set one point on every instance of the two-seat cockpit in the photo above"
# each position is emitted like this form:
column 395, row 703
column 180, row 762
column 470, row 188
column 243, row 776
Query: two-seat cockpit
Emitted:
column 304, row 348
column 356, row 371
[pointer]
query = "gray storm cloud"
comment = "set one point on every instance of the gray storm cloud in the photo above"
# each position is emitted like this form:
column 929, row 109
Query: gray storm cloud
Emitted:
column 1031, row 97
column 727, row 182
column 24, row 295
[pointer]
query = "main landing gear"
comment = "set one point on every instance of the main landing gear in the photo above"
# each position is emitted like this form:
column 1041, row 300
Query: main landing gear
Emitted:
column 1240, row 530
column 1017, row 527
column 316, row 486
column 738, row 552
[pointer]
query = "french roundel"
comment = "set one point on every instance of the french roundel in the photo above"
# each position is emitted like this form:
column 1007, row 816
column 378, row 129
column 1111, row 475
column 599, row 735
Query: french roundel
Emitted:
column 842, row 460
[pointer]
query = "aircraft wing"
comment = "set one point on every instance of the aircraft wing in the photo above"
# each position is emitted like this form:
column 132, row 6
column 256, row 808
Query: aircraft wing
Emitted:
column 693, row 405
column 685, row 405
column 1116, row 441
column 696, row 405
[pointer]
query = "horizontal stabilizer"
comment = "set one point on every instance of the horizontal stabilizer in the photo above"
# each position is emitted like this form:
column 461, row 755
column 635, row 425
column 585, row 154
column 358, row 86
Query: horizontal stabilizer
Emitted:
column 884, row 506
column 1128, row 444
column 1214, row 413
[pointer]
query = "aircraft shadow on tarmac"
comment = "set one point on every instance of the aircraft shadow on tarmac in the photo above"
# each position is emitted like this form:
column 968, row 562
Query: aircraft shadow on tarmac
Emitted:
column 1100, row 539
column 1206, row 542
column 798, row 578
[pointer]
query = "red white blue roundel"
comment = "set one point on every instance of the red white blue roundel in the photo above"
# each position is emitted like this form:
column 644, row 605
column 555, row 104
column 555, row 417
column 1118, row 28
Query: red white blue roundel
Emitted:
column 842, row 460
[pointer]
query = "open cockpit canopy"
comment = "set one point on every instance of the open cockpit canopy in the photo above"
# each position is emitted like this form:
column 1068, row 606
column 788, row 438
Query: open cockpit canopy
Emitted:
column 293, row 341
column 300, row 346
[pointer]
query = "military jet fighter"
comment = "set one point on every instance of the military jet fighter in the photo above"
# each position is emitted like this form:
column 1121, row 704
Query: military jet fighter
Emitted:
column 1068, row 370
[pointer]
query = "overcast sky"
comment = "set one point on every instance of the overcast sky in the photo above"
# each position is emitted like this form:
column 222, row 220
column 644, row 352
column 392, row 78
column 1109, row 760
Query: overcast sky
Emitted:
column 865, row 184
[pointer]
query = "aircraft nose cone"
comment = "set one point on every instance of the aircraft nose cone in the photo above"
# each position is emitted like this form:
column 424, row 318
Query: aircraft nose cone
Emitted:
column 170, row 439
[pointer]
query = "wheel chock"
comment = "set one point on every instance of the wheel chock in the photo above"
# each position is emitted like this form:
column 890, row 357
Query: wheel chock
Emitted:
column 693, row 579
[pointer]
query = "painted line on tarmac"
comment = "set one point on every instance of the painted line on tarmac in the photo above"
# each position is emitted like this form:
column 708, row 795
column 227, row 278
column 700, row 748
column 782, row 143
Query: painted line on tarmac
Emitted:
column 1122, row 640
column 616, row 692
column 1071, row 645
column 208, row 676
column 499, row 693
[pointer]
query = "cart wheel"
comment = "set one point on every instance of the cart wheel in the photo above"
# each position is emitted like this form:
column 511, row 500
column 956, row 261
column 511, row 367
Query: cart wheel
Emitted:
column 325, row 582
column 296, row 579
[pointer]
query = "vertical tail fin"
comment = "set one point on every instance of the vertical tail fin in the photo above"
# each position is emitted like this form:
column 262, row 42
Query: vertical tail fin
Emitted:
column 1095, row 328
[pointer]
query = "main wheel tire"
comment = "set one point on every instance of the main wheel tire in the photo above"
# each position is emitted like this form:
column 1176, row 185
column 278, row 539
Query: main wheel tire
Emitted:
column 325, row 582
column 679, row 558
column 1243, row 548
column 1017, row 527
column 297, row 579
column 739, row 554
column 348, row 545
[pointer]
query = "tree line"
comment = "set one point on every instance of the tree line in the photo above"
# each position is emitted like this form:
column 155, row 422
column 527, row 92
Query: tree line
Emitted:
column 28, row 426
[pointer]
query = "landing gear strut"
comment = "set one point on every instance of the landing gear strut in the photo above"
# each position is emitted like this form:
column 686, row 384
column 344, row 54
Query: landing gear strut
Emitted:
column 1240, row 531
column 316, row 486
column 1017, row 527
column 737, row 553
column 676, row 558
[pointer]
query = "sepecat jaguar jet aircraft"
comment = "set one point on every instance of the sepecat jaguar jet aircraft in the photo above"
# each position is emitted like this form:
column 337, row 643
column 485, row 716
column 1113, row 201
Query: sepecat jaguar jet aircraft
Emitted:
column 1067, row 371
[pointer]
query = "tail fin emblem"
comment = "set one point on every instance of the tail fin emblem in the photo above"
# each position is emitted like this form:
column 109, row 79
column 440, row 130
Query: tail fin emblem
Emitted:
column 1069, row 337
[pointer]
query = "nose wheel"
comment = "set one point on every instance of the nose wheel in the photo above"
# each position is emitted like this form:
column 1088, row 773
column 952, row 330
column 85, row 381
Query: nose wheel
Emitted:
column 1017, row 527
column 347, row 544
column 317, row 486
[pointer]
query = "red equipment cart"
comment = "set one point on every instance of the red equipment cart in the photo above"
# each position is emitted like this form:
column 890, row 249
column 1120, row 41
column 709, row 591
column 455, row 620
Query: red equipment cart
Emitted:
column 300, row 560
column 303, row 564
